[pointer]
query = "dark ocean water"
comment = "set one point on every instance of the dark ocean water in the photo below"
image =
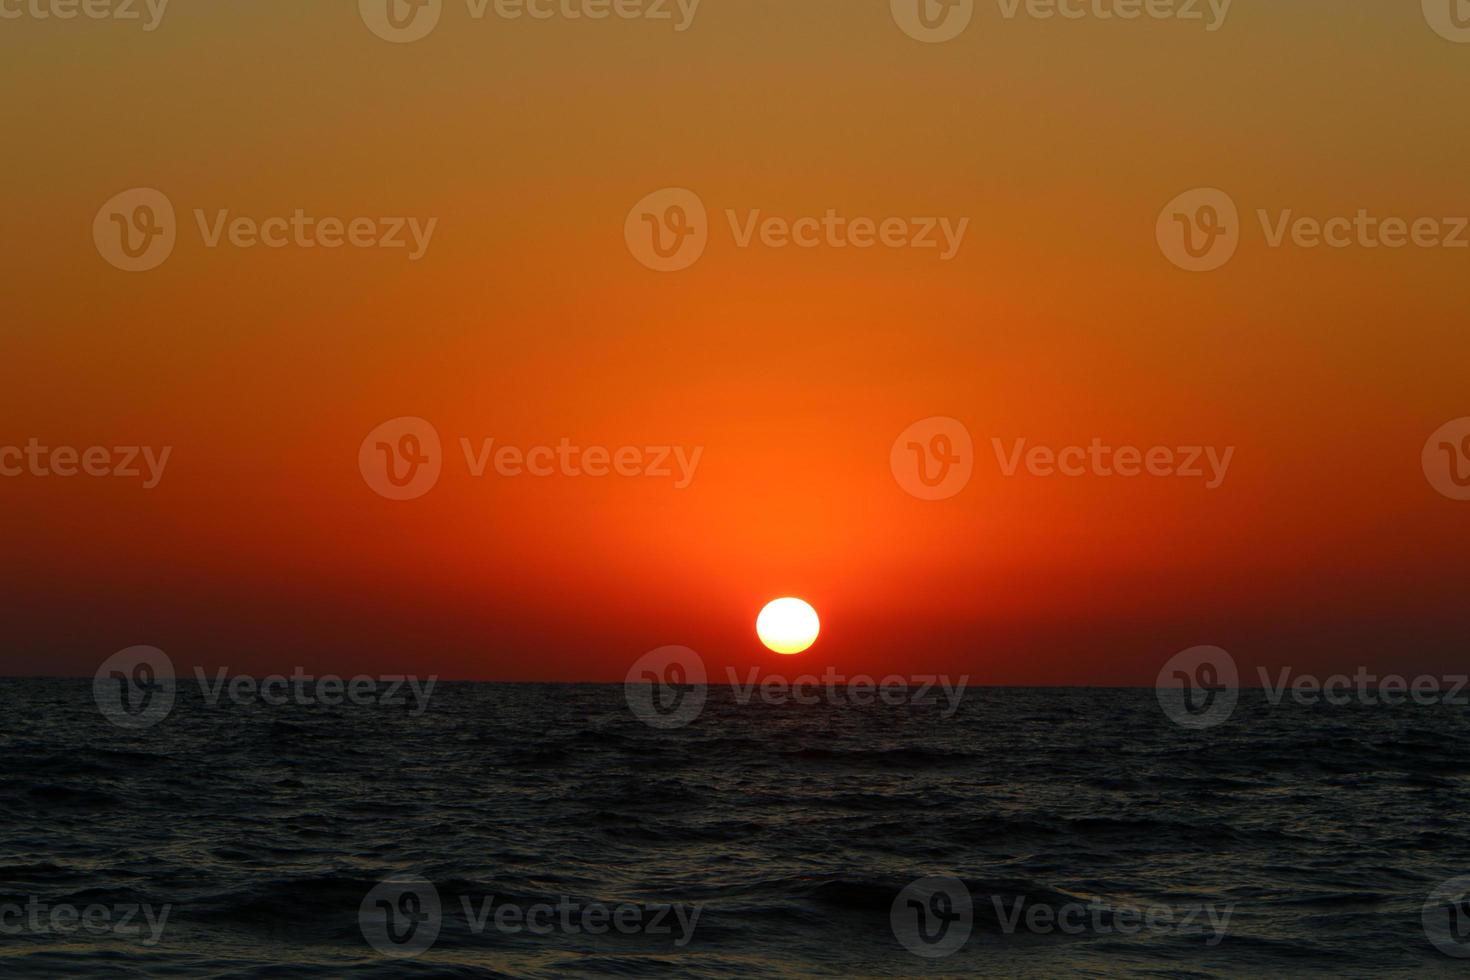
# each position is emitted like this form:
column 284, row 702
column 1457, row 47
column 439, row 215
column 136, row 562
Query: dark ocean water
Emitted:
column 794, row 830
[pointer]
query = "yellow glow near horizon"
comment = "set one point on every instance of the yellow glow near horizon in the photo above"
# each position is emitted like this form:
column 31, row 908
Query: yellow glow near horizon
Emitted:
column 788, row 625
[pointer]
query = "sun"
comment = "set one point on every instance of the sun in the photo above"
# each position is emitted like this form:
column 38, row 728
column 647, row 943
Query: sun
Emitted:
column 787, row 625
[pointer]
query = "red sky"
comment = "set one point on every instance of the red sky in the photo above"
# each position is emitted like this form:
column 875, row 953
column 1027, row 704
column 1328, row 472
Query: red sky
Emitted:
column 793, row 370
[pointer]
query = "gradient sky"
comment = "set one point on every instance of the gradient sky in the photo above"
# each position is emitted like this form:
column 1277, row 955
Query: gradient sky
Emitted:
column 529, row 321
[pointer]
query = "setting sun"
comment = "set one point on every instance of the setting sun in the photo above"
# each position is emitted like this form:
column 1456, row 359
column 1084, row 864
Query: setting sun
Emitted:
column 787, row 625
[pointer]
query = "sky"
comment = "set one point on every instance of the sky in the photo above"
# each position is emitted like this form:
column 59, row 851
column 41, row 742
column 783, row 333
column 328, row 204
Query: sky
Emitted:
column 530, row 319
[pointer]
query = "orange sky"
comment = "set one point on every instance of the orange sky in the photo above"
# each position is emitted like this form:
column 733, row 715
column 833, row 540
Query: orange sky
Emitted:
column 528, row 321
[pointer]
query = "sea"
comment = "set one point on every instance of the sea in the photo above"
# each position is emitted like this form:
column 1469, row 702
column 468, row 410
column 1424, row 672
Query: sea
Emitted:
column 523, row 830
